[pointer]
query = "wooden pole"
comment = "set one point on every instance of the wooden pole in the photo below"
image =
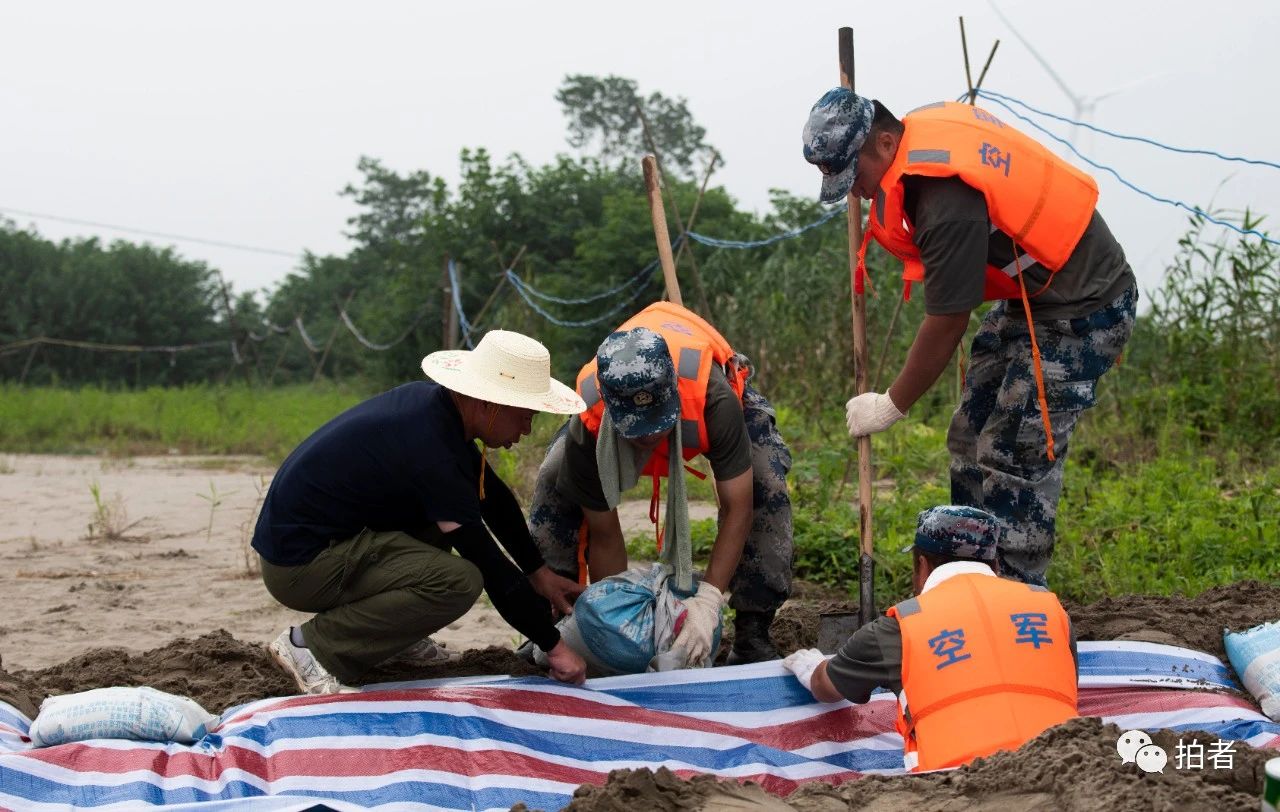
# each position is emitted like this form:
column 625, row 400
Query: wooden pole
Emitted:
column 675, row 210
column 231, row 326
column 446, row 307
column 501, row 280
column 31, row 356
column 962, row 363
column 974, row 93
column 693, row 216
column 455, row 329
column 660, row 234
column 280, row 356
column 333, row 335
column 866, row 563
column 964, row 46
column 888, row 335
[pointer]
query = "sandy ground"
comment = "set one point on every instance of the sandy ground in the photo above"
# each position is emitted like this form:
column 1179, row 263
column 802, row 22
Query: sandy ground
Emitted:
column 181, row 565
column 170, row 602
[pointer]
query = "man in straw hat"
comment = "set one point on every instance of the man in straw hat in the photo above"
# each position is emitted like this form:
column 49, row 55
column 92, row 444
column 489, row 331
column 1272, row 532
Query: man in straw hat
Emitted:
column 979, row 663
column 978, row 212
column 359, row 521
column 663, row 388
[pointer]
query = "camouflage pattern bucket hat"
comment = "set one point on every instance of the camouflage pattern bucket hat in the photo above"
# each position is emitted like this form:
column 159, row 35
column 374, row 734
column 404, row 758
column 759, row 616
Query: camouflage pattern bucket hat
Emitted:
column 638, row 383
column 837, row 128
column 958, row 531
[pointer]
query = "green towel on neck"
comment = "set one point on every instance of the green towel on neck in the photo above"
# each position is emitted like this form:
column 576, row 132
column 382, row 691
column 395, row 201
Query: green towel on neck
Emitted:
column 620, row 464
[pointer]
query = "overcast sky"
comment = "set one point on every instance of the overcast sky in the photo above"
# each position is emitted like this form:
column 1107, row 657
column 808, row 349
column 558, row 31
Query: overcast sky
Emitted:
column 240, row 122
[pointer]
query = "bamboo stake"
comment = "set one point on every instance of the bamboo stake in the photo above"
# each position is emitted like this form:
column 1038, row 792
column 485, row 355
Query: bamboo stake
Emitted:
column 693, row 215
column 333, row 335
column 659, row 217
column 974, row 93
column 501, row 279
column 675, row 210
column 866, row 564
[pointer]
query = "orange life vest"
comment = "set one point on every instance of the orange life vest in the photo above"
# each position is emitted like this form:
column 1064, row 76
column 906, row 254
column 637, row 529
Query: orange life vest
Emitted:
column 986, row 666
column 695, row 346
column 1039, row 199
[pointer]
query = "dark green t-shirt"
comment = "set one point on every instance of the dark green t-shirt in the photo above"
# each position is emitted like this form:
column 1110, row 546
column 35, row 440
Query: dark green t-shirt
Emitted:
column 957, row 240
column 729, row 454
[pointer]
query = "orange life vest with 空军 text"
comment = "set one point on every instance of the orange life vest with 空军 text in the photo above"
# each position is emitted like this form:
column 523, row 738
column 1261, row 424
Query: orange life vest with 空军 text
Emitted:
column 1033, row 195
column 986, row 666
column 695, row 346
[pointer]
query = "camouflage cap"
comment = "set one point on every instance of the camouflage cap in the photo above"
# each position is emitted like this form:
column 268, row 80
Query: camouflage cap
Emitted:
column 638, row 382
column 838, row 126
column 958, row 531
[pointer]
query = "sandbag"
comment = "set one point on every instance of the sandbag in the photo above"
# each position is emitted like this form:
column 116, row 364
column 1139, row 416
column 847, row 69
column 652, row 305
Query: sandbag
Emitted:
column 142, row 714
column 627, row 623
column 1255, row 655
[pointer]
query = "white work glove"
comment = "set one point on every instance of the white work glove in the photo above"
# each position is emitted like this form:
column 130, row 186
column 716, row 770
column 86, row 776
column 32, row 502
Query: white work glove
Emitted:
column 701, row 617
column 871, row 412
column 803, row 663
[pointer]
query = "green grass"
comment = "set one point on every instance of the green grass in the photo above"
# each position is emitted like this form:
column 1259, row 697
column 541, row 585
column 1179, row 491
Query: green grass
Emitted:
column 1164, row 515
column 1152, row 510
column 193, row 420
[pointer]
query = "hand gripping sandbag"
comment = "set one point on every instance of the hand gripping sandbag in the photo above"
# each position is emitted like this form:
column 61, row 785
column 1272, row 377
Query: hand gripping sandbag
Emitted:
column 1255, row 655
column 626, row 623
column 142, row 714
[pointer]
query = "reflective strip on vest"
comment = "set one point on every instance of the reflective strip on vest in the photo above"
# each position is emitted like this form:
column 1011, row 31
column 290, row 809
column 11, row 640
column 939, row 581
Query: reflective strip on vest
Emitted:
column 689, row 434
column 590, row 391
column 928, row 156
column 880, row 205
column 928, row 107
column 908, row 608
column 1023, row 262
column 690, row 361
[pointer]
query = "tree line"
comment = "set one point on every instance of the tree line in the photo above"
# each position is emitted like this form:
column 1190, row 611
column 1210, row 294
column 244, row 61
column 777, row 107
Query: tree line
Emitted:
column 572, row 227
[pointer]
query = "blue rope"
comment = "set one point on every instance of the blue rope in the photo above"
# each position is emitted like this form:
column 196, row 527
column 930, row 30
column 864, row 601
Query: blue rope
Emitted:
column 1000, row 97
column 521, row 289
column 786, row 235
column 522, row 285
column 639, row 275
column 1167, row 201
column 457, row 304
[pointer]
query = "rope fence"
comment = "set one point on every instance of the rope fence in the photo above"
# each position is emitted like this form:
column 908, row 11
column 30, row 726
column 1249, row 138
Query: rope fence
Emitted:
column 1195, row 210
column 635, row 285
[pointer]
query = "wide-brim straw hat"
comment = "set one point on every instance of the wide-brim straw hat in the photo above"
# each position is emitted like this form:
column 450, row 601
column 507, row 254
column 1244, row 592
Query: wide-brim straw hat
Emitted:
column 507, row 368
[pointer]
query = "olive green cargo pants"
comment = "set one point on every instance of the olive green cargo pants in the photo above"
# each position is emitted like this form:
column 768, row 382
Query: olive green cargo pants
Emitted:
column 374, row 596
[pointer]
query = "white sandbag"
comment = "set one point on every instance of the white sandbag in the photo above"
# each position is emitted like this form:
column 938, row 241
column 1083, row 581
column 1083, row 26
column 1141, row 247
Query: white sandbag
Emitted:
column 1255, row 655
column 143, row 714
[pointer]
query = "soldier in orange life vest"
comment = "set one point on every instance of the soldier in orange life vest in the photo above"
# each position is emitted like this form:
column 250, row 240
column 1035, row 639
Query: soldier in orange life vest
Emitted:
column 979, row 663
column 664, row 388
column 979, row 212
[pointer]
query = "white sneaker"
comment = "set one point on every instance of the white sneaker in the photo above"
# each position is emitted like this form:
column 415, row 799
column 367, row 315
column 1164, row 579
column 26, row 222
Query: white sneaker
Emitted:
column 301, row 664
column 423, row 654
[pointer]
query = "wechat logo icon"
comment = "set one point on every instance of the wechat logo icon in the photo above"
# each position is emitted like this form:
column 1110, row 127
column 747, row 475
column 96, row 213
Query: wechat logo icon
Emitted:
column 1135, row 747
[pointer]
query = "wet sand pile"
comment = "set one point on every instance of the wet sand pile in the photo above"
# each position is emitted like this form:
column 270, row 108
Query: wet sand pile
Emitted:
column 216, row 670
column 1195, row 623
column 1073, row 766
column 474, row 663
column 1070, row 767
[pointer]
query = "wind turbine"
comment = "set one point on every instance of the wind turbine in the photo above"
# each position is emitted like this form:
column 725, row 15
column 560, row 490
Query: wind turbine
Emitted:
column 1084, row 106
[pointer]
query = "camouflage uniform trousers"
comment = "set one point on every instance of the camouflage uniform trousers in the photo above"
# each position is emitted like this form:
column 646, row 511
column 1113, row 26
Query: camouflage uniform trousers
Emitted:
column 999, row 454
column 763, row 578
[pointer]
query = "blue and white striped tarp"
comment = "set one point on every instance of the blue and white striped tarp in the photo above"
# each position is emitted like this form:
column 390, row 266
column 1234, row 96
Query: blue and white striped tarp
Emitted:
column 487, row 743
